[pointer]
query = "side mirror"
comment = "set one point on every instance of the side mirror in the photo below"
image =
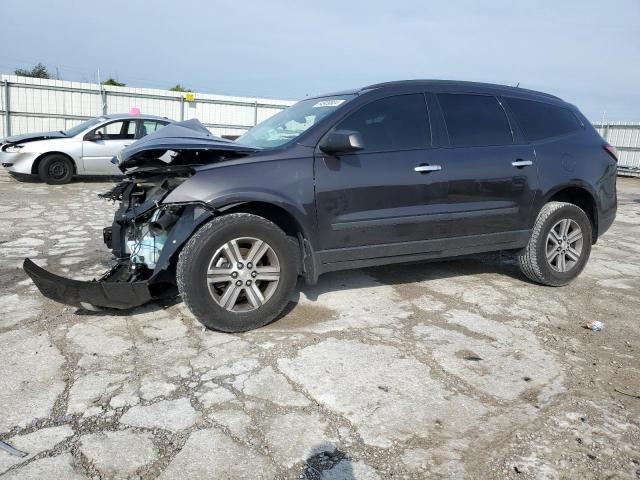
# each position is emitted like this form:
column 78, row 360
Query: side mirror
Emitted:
column 342, row 141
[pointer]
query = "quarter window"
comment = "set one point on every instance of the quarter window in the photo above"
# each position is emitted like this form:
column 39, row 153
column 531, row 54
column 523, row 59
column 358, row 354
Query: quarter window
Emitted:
column 540, row 120
column 475, row 120
column 393, row 123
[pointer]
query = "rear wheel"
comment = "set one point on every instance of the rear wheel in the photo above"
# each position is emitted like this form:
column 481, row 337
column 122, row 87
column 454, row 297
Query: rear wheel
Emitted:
column 55, row 169
column 559, row 246
column 237, row 272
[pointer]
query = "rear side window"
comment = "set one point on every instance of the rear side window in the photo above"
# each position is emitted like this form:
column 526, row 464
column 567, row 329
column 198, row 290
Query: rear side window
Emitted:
column 151, row 126
column 475, row 120
column 541, row 120
column 393, row 123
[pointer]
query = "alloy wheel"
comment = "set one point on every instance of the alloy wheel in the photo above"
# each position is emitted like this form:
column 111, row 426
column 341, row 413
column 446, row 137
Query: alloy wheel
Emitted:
column 564, row 245
column 243, row 274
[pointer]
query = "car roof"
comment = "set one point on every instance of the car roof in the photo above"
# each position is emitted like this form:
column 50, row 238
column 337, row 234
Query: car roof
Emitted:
column 116, row 116
column 451, row 85
column 471, row 86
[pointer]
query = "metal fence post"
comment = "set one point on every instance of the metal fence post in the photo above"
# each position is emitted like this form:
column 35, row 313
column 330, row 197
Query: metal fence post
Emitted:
column 255, row 113
column 103, row 97
column 7, row 110
column 182, row 108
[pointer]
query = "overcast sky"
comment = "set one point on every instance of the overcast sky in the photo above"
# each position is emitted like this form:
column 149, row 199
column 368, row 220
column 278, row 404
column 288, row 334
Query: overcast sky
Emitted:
column 585, row 51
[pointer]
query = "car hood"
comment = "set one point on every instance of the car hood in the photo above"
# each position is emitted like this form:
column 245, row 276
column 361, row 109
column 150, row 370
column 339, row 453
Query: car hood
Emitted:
column 33, row 137
column 185, row 143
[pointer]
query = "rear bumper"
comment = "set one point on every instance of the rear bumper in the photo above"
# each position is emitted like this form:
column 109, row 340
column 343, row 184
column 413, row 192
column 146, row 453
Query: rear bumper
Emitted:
column 106, row 292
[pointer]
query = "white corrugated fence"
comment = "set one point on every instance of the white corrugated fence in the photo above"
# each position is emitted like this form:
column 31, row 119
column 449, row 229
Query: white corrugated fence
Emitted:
column 625, row 136
column 35, row 105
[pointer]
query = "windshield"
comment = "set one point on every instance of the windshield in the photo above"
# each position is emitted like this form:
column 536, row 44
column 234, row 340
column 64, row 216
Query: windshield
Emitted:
column 290, row 123
column 73, row 131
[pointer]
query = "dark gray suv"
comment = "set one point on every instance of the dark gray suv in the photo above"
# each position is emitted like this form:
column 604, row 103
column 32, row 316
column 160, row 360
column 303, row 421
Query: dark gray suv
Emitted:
column 390, row 173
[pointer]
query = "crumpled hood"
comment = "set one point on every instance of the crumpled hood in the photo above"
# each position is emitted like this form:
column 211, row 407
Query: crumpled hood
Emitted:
column 33, row 137
column 189, row 136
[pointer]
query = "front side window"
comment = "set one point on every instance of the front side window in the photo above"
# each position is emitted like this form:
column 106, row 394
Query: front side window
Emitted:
column 475, row 120
column 290, row 123
column 540, row 120
column 393, row 123
column 120, row 130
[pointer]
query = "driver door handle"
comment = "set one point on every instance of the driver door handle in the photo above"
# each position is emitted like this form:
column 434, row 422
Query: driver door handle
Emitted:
column 522, row 163
column 427, row 168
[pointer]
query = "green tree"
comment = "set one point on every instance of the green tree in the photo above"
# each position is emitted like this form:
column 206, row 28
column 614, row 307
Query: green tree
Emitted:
column 179, row 88
column 114, row 83
column 38, row 71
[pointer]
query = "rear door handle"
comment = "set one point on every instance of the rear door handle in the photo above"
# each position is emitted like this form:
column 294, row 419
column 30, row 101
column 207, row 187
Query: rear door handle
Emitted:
column 522, row 163
column 427, row 168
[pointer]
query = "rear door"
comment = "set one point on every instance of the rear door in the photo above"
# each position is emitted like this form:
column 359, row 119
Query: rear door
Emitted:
column 490, row 170
column 111, row 138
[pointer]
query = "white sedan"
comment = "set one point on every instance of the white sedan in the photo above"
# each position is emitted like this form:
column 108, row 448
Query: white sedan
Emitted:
column 86, row 149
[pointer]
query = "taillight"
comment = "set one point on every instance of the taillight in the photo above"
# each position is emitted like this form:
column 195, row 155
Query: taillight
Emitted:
column 611, row 150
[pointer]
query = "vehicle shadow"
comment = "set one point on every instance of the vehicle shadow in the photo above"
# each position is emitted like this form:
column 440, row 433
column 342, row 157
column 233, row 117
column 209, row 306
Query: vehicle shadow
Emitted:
column 397, row 274
column 405, row 273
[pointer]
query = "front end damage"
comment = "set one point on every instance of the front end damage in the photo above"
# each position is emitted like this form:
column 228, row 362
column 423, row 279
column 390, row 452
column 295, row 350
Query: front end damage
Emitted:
column 146, row 234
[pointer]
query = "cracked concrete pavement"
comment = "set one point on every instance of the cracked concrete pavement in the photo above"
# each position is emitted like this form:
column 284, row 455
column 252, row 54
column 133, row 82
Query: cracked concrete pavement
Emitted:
column 453, row 369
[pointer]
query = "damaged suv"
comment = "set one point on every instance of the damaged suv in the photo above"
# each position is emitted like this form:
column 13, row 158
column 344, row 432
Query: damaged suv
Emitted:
column 390, row 173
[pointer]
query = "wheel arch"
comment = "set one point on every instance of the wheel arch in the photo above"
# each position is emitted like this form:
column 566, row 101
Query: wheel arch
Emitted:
column 581, row 196
column 36, row 162
column 288, row 222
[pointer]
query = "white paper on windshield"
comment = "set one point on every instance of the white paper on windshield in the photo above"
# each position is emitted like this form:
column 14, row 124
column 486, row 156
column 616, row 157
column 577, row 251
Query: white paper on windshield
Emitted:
column 328, row 103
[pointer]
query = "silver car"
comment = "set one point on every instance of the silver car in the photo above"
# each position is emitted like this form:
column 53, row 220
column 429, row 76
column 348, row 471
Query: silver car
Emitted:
column 86, row 149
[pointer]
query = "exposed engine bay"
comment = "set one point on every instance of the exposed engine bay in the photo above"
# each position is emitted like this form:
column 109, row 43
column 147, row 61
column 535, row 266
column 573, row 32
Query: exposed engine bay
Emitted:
column 146, row 234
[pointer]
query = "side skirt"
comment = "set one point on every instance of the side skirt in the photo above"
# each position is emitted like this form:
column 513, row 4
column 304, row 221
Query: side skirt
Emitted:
column 374, row 255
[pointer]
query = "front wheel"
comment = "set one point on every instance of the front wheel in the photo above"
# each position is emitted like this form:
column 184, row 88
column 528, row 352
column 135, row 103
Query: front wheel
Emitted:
column 559, row 246
column 237, row 272
column 55, row 169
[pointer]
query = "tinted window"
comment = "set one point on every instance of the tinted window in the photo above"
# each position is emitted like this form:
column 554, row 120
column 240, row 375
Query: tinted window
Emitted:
column 541, row 120
column 393, row 123
column 475, row 120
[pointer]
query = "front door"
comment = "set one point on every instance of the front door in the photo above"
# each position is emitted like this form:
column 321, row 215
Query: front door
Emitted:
column 375, row 196
column 103, row 143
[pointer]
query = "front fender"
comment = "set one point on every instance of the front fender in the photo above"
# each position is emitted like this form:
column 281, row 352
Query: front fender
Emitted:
column 287, row 184
column 189, row 221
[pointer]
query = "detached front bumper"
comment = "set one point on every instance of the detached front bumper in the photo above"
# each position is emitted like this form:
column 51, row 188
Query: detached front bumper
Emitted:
column 107, row 292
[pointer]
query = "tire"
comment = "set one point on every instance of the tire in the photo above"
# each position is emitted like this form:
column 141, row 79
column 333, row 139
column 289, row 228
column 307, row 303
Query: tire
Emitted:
column 55, row 169
column 209, row 248
column 543, row 259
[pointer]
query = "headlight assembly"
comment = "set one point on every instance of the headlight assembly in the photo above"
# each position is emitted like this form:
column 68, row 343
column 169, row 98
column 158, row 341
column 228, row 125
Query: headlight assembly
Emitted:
column 13, row 148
